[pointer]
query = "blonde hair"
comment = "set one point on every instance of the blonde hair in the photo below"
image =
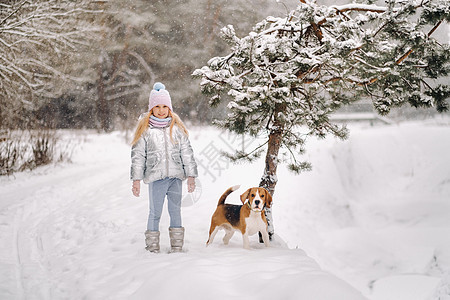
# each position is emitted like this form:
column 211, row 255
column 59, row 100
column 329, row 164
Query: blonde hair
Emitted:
column 144, row 124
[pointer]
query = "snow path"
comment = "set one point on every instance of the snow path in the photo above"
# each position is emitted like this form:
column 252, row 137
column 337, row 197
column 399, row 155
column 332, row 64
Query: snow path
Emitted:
column 44, row 216
column 75, row 232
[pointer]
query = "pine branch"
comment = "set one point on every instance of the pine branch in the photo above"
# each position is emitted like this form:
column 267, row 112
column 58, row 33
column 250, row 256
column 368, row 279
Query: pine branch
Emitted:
column 364, row 83
column 244, row 155
column 316, row 28
column 404, row 56
column 359, row 7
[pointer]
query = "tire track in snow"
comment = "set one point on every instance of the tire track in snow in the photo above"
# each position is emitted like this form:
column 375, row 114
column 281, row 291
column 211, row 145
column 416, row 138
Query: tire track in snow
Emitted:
column 26, row 267
column 27, row 220
column 18, row 262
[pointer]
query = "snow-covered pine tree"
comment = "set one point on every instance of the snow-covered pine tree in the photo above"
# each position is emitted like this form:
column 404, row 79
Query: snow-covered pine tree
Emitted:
column 289, row 74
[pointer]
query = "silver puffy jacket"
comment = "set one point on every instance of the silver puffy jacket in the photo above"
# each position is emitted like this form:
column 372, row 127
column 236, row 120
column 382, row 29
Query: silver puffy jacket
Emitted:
column 156, row 156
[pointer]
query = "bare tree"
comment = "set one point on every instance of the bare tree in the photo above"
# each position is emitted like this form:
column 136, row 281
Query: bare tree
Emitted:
column 38, row 42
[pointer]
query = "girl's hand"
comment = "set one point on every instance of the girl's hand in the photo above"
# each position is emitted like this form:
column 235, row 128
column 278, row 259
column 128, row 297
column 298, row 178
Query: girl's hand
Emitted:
column 136, row 188
column 191, row 184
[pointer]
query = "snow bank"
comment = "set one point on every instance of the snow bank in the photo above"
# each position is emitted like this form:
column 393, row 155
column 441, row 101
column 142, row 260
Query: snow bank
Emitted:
column 375, row 209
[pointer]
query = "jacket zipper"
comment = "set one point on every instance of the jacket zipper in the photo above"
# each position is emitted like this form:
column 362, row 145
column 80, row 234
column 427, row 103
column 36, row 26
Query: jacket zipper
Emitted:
column 167, row 153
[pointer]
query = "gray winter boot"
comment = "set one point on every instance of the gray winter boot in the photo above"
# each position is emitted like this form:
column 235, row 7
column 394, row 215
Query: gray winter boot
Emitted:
column 176, row 239
column 152, row 241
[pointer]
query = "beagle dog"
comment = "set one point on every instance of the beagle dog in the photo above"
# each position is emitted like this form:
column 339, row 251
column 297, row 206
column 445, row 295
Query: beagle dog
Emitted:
column 248, row 218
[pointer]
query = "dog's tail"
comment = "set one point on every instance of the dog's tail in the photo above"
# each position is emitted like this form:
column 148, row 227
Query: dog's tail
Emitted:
column 226, row 193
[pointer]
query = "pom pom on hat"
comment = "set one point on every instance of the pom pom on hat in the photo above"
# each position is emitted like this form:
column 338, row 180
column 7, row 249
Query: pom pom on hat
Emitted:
column 159, row 95
column 159, row 86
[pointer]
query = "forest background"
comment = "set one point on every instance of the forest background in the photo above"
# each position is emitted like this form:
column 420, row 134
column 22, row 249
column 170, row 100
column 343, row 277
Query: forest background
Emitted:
column 91, row 65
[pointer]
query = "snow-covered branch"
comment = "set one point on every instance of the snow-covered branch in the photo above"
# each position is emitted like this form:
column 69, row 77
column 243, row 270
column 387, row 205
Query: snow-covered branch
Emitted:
column 359, row 7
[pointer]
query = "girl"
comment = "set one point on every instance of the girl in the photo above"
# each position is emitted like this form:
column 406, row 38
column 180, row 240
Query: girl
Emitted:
column 162, row 156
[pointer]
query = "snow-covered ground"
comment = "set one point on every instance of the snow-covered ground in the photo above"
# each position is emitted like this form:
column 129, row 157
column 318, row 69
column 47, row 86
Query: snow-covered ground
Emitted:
column 372, row 220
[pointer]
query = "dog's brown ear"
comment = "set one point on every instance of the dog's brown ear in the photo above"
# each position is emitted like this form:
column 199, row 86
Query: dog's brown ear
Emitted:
column 245, row 195
column 269, row 199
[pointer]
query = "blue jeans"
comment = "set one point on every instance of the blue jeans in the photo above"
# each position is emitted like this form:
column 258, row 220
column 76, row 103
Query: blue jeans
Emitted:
column 157, row 192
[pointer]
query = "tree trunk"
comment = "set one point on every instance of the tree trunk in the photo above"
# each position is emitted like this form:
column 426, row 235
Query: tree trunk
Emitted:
column 269, row 178
column 102, row 107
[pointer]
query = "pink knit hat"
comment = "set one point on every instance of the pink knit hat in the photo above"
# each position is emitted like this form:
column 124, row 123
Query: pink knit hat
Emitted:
column 159, row 95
